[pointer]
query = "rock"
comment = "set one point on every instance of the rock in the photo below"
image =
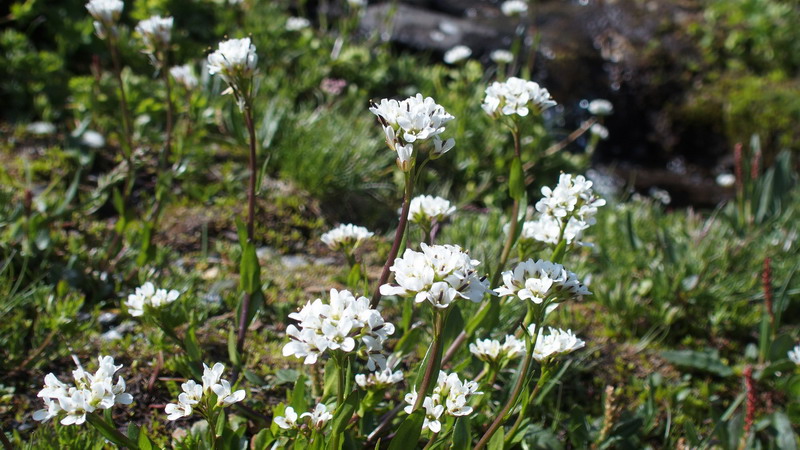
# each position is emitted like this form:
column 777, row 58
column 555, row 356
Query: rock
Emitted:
column 294, row 261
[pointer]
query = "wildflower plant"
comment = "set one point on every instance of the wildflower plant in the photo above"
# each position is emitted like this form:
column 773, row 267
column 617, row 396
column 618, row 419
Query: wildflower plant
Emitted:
column 346, row 238
column 428, row 212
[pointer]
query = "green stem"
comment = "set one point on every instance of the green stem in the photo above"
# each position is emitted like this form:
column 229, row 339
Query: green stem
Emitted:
column 341, row 385
column 431, row 441
column 126, row 119
column 521, row 380
column 523, row 412
column 433, row 363
column 398, row 237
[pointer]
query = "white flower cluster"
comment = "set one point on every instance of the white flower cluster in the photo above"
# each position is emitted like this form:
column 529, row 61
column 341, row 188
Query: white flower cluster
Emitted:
column 106, row 14
column 439, row 274
column 184, row 75
column 148, row 296
column 379, row 379
column 90, row 393
column 450, row 397
column 337, row 325
column 457, row 54
column 558, row 342
column 317, row 418
column 570, row 206
column 514, row 7
column 424, row 209
column 194, row 392
column 411, row 120
column 794, row 355
column 297, row 23
column 501, row 56
column 346, row 237
column 601, row 107
column 540, row 280
column 156, row 32
column 493, row 352
column 234, row 59
column 515, row 96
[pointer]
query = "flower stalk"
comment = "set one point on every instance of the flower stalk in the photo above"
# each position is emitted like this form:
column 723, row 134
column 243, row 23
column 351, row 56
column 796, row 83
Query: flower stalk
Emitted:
column 434, row 361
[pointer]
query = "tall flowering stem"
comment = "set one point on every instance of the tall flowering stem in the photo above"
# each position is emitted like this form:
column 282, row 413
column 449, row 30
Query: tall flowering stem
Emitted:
column 434, row 359
column 398, row 238
column 514, row 219
column 251, row 207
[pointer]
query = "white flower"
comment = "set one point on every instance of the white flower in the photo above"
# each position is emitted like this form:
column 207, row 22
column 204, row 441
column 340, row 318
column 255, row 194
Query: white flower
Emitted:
column 501, row 56
column 490, row 350
column 106, row 14
column 794, row 355
column 599, row 131
column 90, row 392
column 297, row 23
column 515, row 96
column 319, row 416
column 556, row 343
column 233, row 60
column 224, row 394
column 184, row 75
column 414, row 119
column 380, row 379
column 450, row 396
column 288, row 420
column 346, row 237
column 570, row 206
column 514, row 7
column 601, row 107
column 540, row 280
column 424, row 209
column 211, row 376
column 148, row 296
column 439, row 274
column 457, row 53
column 156, row 32
column 338, row 325
column 726, row 179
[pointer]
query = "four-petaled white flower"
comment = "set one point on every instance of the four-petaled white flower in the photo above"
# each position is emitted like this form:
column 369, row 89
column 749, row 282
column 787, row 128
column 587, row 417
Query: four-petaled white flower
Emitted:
column 450, row 396
column 492, row 351
column 439, row 274
column 600, row 107
column 90, row 392
column 234, row 60
column 184, row 75
column 288, row 420
column 346, row 237
column 193, row 393
column 411, row 120
column 515, row 96
column 319, row 416
column 557, row 342
column 147, row 296
column 156, row 32
column 106, row 14
column 457, row 54
column 338, row 325
column 794, row 355
column 540, row 280
column 514, row 7
column 424, row 209
column 379, row 379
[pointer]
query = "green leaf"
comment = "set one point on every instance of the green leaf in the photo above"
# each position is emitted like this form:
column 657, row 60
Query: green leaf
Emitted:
column 249, row 270
column 298, row 401
column 461, row 434
column 262, row 440
column 345, row 412
column 219, row 427
column 146, row 250
column 516, row 180
column 144, row 441
column 453, row 326
column 408, row 433
column 354, row 277
column 496, row 442
column 559, row 251
column 706, row 360
column 192, row 346
column 232, row 353
column 783, row 427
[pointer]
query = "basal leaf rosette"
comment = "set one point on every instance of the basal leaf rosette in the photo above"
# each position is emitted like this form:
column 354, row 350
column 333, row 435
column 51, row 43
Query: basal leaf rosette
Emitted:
column 344, row 323
column 439, row 274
